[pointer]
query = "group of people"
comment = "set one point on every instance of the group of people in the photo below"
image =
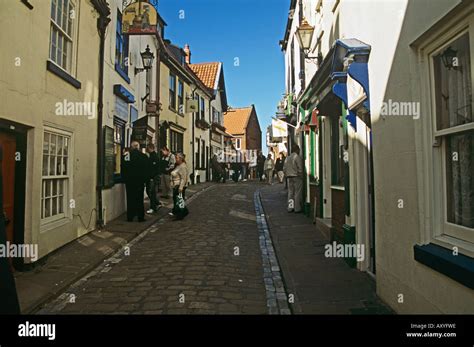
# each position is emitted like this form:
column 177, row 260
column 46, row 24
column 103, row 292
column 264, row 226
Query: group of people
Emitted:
column 268, row 168
column 287, row 169
column 142, row 172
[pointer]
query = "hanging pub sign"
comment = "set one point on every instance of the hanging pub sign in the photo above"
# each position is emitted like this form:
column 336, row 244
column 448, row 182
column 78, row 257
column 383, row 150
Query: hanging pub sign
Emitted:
column 192, row 106
column 279, row 128
column 139, row 18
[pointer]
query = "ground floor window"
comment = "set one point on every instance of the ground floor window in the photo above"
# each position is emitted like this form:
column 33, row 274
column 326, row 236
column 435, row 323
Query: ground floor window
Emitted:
column 176, row 141
column 55, row 174
column 119, row 143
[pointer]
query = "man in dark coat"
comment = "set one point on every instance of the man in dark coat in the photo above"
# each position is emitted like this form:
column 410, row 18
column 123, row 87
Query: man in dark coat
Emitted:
column 136, row 171
column 260, row 165
column 8, row 296
column 153, row 182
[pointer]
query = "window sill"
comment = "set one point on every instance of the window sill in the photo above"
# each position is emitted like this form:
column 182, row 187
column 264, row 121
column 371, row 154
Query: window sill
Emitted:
column 175, row 111
column 54, row 224
column 55, row 69
column 122, row 73
column 338, row 188
column 459, row 267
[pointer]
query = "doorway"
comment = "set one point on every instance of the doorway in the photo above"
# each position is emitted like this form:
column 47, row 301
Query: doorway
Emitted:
column 13, row 141
column 7, row 164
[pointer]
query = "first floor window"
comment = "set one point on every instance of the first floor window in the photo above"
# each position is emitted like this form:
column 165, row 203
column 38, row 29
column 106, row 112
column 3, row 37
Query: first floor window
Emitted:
column 62, row 29
column 202, row 108
column 172, row 91
column 180, row 97
column 452, row 71
column 176, row 142
column 55, row 174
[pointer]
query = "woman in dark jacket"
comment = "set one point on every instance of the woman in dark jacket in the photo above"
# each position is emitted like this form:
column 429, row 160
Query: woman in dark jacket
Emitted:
column 279, row 167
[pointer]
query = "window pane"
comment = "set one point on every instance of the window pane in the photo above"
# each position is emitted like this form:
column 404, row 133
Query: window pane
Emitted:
column 46, row 138
column 60, row 145
column 460, row 179
column 453, row 86
column 54, row 36
column 61, row 204
column 45, row 165
column 65, row 15
column 59, row 60
column 66, row 146
column 47, row 208
column 53, row 9
column 59, row 12
column 69, row 24
column 55, row 187
column 55, row 206
column 65, row 167
column 48, row 188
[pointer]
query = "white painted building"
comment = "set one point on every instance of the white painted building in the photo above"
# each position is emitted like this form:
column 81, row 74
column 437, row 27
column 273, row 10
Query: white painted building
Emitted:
column 415, row 214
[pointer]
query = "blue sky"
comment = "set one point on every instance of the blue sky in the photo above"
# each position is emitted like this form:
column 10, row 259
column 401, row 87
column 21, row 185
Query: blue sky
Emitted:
column 222, row 30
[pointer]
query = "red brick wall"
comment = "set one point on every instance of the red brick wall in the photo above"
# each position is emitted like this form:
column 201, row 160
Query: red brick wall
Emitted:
column 253, row 138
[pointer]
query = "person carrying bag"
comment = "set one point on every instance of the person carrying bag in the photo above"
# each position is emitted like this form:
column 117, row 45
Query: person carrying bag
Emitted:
column 179, row 181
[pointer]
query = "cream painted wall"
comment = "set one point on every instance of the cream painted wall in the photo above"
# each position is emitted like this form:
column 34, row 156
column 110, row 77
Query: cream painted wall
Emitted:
column 396, row 164
column 399, row 168
column 29, row 94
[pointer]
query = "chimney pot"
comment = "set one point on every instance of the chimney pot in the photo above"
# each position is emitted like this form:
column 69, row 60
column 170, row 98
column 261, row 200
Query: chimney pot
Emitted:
column 187, row 52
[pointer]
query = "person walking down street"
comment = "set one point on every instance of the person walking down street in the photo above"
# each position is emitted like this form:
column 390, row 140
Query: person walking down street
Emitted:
column 260, row 165
column 136, row 171
column 153, row 182
column 179, row 181
column 269, row 167
column 217, row 174
column 293, row 170
column 280, row 162
column 168, row 161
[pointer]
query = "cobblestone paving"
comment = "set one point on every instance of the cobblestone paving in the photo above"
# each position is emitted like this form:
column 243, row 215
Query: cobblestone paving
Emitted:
column 209, row 263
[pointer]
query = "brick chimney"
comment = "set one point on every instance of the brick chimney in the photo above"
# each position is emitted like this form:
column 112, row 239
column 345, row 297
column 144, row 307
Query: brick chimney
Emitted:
column 187, row 51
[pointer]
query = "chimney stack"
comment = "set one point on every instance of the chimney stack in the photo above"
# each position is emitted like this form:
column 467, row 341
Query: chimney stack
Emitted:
column 187, row 51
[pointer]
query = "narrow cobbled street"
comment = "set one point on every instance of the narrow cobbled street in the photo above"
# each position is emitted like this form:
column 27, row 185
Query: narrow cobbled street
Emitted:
column 209, row 263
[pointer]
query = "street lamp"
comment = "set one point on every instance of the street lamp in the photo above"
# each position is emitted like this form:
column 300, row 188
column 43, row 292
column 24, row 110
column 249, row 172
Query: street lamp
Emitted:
column 305, row 33
column 147, row 60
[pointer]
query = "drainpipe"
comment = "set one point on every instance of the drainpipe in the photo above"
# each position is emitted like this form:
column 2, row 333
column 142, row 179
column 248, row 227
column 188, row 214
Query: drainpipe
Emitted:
column 102, row 23
column 208, row 169
column 193, row 93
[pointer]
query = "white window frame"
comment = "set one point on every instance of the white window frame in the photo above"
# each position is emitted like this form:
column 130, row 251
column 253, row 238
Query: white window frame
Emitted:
column 431, row 176
column 238, row 143
column 70, row 56
column 60, row 218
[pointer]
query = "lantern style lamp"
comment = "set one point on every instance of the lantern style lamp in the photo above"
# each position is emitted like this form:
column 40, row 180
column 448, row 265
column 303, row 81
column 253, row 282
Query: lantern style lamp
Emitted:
column 305, row 33
column 448, row 57
column 147, row 60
